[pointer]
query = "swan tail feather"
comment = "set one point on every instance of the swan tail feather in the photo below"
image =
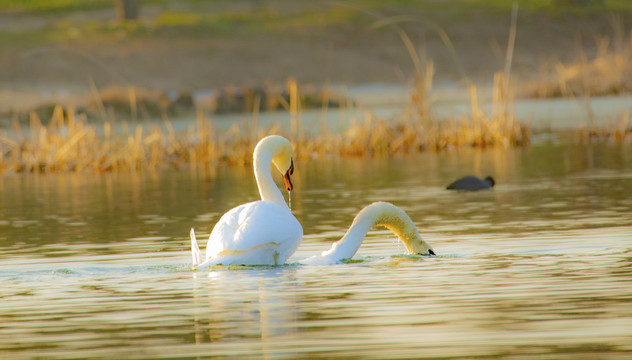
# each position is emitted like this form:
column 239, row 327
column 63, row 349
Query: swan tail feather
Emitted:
column 195, row 250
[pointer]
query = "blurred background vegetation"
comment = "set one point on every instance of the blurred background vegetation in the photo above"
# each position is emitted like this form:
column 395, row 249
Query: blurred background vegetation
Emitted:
column 71, row 62
column 194, row 44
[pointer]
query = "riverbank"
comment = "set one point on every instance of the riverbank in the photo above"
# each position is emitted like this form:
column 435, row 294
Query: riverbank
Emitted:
column 64, row 51
column 123, row 123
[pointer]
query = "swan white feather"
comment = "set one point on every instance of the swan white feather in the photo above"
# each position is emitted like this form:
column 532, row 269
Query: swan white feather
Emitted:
column 261, row 232
column 378, row 213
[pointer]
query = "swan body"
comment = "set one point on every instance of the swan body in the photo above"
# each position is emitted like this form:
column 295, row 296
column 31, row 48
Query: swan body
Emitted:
column 378, row 213
column 262, row 232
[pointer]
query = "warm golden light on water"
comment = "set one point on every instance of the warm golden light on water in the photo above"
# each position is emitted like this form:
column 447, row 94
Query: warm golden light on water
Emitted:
column 539, row 267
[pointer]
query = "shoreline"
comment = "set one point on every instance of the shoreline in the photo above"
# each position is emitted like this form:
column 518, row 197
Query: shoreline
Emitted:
column 387, row 100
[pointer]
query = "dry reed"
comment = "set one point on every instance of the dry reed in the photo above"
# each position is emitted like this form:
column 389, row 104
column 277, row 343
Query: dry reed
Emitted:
column 70, row 144
column 617, row 131
column 418, row 131
column 608, row 73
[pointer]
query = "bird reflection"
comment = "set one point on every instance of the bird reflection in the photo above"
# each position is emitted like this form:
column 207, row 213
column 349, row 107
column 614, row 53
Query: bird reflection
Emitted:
column 242, row 304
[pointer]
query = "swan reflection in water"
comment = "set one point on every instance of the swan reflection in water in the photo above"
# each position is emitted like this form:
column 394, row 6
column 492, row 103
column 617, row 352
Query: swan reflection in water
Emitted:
column 259, row 316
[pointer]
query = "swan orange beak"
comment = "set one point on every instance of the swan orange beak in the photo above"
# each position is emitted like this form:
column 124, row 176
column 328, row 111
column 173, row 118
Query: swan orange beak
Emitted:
column 287, row 181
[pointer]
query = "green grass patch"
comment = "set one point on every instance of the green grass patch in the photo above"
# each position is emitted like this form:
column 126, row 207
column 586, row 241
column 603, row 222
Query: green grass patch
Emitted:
column 251, row 21
column 196, row 18
column 53, row 6
column 575, row 6
column 548, row 7
column 192, row 23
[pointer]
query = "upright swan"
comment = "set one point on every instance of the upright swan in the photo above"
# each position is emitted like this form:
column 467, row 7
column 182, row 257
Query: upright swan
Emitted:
column 261, row 232
column 378, row 213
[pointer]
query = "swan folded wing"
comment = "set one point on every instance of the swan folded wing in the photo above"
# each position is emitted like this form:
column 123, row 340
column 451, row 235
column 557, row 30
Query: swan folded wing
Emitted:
column 260, row 232
column 195, row 250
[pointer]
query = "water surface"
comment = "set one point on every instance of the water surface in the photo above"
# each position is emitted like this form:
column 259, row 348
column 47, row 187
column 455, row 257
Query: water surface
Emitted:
column 540, row 267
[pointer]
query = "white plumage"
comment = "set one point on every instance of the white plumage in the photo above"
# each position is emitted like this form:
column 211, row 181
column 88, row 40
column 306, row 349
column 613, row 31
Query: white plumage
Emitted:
column 261, row 232
column 378, row 213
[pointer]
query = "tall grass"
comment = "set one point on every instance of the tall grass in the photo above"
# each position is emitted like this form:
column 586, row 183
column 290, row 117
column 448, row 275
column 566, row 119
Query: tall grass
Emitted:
column 617, row 131
column 608, row 72
column 418, row 130
column 69, row 143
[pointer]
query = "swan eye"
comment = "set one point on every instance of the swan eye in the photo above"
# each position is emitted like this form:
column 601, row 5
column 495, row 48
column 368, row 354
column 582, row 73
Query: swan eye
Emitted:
column 432, row 253
column 291, row 169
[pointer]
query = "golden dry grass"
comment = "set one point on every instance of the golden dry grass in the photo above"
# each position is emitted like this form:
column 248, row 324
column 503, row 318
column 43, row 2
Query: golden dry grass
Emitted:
column 617, row 131
column 69, row 143
column 608, row 73
column 417, row 131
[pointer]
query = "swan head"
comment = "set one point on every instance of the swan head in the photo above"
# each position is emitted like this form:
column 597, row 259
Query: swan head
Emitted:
column 490, row 180
column 285, row 164
column 416, row 245
column 396, row 220
column 279, row 150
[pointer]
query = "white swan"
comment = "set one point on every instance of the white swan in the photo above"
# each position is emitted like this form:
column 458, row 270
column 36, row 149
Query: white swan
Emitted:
column 378, row 213
column 261, row 232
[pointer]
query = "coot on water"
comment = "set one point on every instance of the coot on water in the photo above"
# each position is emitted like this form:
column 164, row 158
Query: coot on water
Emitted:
column 472, row 183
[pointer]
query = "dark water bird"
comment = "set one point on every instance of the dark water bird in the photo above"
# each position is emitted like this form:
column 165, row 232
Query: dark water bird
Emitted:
column 472, row 183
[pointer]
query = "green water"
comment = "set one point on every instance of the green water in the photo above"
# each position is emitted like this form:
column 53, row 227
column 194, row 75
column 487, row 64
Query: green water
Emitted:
column 98, row 266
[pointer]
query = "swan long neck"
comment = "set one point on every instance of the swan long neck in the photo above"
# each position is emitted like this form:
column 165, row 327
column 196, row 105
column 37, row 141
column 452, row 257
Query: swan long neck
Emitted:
column 262, row 158
column 379, row 213
column 346, row 247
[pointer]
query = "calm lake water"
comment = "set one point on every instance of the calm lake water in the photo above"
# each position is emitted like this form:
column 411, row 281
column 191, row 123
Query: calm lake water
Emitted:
column 98, row 266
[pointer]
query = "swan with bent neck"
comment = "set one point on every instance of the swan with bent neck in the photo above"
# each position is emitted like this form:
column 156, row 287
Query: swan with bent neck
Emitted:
column 378, row 213
column 262, row 232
